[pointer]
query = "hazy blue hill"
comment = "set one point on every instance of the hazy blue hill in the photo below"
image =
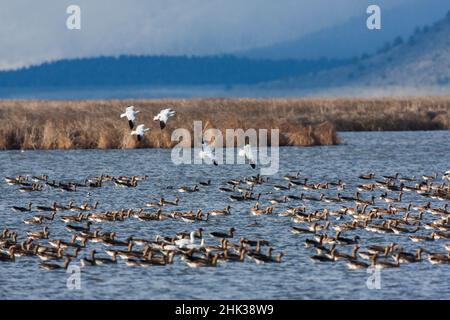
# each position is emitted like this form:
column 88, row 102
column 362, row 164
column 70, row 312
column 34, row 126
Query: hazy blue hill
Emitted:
column 352, row 38
column 415, row 64
column 160, row 70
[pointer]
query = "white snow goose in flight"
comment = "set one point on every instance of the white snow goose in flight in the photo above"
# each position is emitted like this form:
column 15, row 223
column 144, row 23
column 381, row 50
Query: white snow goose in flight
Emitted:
column 130, row 114
column 163, row 116
column 139, row 132
column 207, row 152
column 248, row 154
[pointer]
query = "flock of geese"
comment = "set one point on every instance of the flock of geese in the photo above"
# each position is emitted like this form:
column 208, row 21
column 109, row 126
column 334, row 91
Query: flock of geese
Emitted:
column 207, row 152
column 377, row 207
column 130, row 113
column 56, row 253
column 320, row 214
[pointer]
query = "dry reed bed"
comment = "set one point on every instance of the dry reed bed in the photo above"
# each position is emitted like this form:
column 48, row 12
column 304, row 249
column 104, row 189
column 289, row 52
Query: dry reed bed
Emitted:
column 302, row 122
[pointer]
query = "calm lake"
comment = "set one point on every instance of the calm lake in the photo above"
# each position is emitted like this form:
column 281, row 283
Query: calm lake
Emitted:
column 297, row 277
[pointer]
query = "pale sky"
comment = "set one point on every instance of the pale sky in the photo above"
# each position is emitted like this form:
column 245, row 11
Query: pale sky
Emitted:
column 34, row 31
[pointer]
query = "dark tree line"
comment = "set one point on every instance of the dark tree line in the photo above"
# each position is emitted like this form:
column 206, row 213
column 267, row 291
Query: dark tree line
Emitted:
column 161, row 70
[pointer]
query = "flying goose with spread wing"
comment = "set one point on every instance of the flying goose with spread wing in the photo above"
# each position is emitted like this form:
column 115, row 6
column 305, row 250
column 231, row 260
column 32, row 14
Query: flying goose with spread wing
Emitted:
column 207, row 152
column 130, row 114
column 163, row 116
column 248, row 154
column 139, row 132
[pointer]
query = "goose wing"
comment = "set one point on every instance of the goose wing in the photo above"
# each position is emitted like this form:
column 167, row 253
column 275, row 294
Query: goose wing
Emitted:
column 163, row 116
column 208, row 152
column 248, row 154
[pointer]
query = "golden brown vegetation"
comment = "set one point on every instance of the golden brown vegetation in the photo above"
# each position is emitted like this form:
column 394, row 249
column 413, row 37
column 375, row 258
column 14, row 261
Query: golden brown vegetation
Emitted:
column 302, row 122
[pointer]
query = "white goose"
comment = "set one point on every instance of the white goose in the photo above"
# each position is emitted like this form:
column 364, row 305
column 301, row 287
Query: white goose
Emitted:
column 207, row 152
column 163, row 116
column 182, row 243
column 194, row 245
column 130, row 114
column 139, row 132
column 248, row 154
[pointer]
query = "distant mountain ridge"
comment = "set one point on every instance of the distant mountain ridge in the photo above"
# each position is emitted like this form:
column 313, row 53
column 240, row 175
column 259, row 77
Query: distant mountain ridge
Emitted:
column 334, row 42
column 416, row 64
column 420, row 61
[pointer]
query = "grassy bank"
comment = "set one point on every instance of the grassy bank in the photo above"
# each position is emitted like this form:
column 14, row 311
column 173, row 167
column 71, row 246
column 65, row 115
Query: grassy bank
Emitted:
column 302, row 122
column 96, row 124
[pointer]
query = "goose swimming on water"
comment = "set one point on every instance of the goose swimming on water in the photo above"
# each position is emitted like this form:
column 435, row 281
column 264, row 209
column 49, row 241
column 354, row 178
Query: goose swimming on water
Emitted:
column 429, row 178
column 356, row 264
column 205, row 183
column 222, row 234
column 22, row 209
column 406, row 257
column 9, row 257
column 292, row 177
column 225, row 189
column 216, row 212
column 44, row 208
column 380, row 264
column 281, row 187
column 196, row 263
column 262, row 258
column 79, row 228
column 184, row 242
column 39, row 234
column 88, row 261
column 52, row 266
column 189, row 190
column 368, row 176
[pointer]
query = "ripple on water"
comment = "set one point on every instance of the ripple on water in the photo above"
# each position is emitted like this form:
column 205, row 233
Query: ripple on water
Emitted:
column 410, row 153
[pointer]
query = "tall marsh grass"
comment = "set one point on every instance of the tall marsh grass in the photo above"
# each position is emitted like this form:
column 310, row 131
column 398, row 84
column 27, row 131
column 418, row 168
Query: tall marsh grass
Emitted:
column 95, row 124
